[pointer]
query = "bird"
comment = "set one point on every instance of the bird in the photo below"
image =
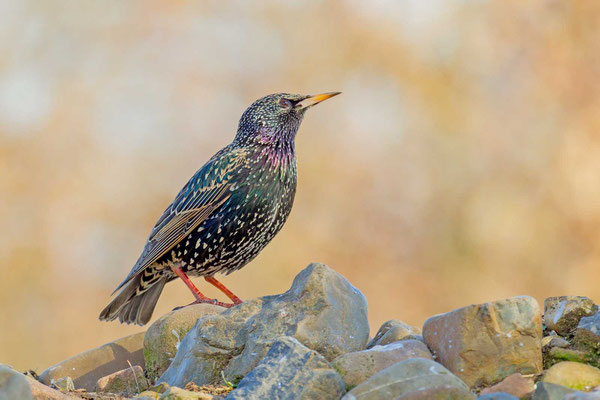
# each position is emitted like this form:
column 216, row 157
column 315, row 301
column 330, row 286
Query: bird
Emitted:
column 225, row 214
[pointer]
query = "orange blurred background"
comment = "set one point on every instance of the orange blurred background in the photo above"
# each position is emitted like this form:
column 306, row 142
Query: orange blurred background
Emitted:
column 460, row 165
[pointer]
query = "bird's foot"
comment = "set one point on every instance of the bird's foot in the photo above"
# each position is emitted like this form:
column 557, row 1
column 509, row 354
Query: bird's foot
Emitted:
column 210, row 301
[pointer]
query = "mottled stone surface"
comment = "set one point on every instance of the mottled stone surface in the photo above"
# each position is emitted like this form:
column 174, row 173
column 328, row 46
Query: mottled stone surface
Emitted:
column 356, row 367
column 63, row 384
column 415, row 378
column 587, row 332
column 127, row 382
column 164, row 336
column 290, row 370
column 86, row 368
column 573, row 375
column 322, row 310
column 484, row 343
column 515, row 384
column 562, row 314
column 394, row 331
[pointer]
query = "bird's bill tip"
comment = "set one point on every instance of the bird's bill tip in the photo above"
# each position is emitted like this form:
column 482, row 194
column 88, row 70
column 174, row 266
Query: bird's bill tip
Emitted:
column 313, row 100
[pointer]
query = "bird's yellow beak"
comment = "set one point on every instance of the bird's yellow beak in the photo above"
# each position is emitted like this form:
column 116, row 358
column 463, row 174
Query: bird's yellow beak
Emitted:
column 312, row 100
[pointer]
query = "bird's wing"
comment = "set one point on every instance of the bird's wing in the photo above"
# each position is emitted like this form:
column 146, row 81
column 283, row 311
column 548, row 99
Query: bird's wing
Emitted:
column 204, row 193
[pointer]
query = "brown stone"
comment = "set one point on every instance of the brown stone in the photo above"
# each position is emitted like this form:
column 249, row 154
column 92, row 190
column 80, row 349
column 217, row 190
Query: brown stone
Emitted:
column 394, row 331
column 484, row 343
column 43, row 392
column 86, row 368
column 515, row 384
column 127, row 381
column 573, row 375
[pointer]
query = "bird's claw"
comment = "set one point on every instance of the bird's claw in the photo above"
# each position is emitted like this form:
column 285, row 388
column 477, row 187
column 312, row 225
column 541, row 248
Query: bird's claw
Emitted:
column 209, row 301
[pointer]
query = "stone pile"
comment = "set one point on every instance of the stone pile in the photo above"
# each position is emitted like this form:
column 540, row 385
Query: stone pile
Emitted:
column 312, row 342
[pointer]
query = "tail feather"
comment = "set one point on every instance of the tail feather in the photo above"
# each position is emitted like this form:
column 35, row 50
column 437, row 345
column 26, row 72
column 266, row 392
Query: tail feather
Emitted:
column 131, row 307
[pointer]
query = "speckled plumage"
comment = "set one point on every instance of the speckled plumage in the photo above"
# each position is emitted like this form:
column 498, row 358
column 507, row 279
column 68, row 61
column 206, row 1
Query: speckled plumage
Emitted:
column 227, row 212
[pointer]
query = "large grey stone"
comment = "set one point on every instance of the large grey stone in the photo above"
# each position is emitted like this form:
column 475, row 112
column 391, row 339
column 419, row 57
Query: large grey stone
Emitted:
column 164, row 336
column 394, row 331
column 358, row 366
column 562, row 314
column 13, row 385
column 484, row 343
column 550, row 391
column 415, row 378
column 86, row 368
column 322, row 310
column 290, row 370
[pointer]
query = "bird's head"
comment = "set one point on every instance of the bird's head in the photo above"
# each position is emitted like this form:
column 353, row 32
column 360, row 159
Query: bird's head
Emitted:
column 275, row 118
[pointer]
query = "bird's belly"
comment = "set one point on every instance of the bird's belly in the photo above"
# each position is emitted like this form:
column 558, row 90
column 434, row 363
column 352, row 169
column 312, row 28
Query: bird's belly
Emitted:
column 232, row 237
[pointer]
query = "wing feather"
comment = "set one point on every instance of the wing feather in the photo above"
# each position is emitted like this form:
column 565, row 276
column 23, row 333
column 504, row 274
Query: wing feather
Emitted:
column 204, row 193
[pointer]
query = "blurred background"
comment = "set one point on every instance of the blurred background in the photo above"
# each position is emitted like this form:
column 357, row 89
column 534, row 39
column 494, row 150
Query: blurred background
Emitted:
column 460, row 165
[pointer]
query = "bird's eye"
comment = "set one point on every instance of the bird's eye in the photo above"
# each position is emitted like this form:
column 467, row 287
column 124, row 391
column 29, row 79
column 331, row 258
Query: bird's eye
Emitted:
column 285, row 103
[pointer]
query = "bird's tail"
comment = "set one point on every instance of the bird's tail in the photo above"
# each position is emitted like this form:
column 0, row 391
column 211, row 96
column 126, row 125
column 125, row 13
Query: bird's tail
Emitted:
column 132, row 305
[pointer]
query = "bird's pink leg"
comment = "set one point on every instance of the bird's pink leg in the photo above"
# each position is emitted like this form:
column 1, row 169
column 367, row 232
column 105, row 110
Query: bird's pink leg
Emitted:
column 236, row 300
column 200, row 298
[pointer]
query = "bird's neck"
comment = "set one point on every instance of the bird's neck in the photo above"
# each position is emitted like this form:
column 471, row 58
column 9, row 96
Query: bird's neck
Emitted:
column 276, row 158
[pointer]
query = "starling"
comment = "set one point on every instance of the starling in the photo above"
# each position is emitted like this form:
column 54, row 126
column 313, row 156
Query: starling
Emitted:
column 225, row 214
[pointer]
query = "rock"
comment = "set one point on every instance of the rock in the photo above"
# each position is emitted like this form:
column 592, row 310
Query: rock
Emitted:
column 554, row 341
column 562, row 314
column 587, row 333
column 86, row 368
column 164, row 336
column 515, row 384
column 63, row 384
column 290, row 370
column 484, row 343
column 322, row 310
column 583, row 396
column 557, row 354
column 128, row 381
column 13, row 385
column 573, row 375
column 175, row 393
column 393, row 331
column 356, row 367
column 415, row 378
column 43, row 392
column 497, row 396
column 550, row 391
column 166, row 392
